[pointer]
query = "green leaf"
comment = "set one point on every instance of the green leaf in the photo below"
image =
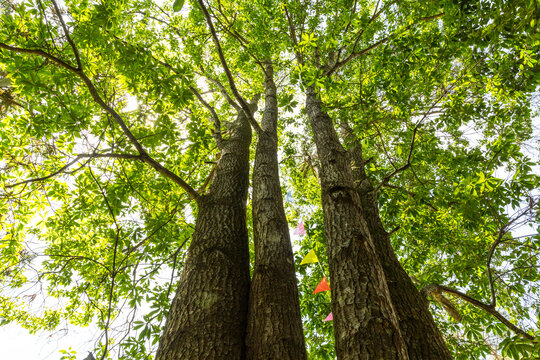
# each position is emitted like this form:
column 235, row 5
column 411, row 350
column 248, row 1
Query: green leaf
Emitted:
column 178, row 4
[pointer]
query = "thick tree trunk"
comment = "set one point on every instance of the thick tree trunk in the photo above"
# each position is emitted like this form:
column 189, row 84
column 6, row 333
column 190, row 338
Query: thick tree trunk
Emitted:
column 422, row 337
column 365, row 323
column 274, row 320
column 207, row 319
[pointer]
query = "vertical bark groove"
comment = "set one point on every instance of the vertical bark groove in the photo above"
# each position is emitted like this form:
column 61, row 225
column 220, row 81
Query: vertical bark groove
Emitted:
column 422, row 337
column 207, row 319
column 365, row 323
column 274, row 319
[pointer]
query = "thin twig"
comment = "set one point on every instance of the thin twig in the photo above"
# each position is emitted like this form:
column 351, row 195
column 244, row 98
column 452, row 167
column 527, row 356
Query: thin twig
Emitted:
column 502, row 231
column 217, row 124
column 113, row 270
column 66, row 32
column 222, row 90
column 352, row 55
column 293, row 37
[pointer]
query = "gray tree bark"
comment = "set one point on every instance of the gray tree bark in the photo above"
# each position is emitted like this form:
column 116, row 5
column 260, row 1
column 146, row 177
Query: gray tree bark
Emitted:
column 365, row 322
column 207, row 319
column 422, row 337
column 274, row 321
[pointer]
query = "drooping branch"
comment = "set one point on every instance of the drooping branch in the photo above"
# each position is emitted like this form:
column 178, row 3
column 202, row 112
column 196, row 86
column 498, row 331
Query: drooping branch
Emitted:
column 434, row 288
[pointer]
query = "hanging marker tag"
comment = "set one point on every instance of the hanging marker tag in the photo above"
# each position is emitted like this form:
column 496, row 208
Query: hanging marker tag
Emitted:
column 330, row 317
column 323, row 286
column 311, row 257
column 300, row 230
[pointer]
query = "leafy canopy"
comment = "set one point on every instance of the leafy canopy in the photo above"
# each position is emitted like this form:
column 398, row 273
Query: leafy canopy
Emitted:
column 442, row 95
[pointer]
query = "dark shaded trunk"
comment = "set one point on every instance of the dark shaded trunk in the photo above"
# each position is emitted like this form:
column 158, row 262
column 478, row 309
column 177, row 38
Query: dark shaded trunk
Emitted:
column 422, row 337
column 274, row 319
column 207, row 319
column 365, row 323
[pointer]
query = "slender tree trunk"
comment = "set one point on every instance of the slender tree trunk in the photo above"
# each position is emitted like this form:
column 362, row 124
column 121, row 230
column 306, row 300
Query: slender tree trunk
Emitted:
column 422, row 337
column 365, row 323
column 207, row 319
column 274, row 320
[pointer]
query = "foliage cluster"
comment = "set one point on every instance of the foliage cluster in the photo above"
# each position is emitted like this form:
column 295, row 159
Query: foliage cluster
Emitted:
column 442, row 94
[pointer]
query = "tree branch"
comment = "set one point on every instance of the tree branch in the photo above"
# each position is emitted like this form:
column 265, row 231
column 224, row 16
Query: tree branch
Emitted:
column 412, row 194
column 217, row 124
column 169, row 174
column 411, row 148
column 487, row 308
column 113, row 271
column 241, row 40
column 46, row 177
column 375, row 15
column 66, row 32
column 353, row 54
column 238, row 97
column 503, row 230
column 144, row 158
column 118, row 119
column 490, row 274
column 222, row 90
column 293, row 36
column 78, row 257
column 41, row 53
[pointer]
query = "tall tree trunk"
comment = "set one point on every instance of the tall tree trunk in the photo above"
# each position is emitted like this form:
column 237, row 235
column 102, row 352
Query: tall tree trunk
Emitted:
column 422, row 337
column 274, row 319
column 365, row 323
column 207, row 319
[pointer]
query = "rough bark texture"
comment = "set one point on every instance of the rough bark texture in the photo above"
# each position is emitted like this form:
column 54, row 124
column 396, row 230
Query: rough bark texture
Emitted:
column 422, row 337
column 274, row 319
column 365, row 323
column 207, row 319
